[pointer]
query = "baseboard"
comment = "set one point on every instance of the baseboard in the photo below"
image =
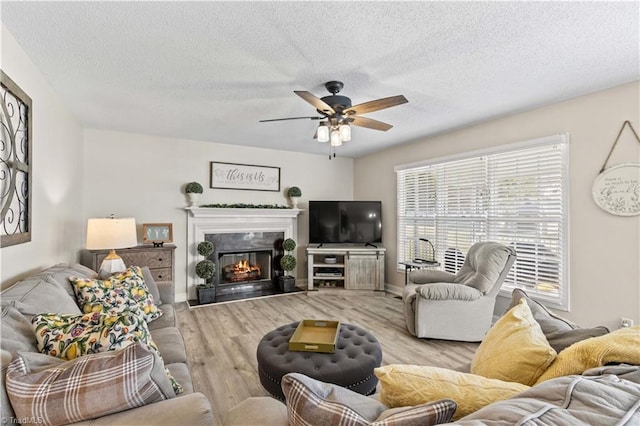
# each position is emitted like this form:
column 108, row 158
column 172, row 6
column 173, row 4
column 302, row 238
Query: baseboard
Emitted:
column 394, row 289
column 181, row 297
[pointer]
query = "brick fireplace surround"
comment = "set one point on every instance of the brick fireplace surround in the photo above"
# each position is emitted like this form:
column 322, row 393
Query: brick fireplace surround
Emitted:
column 203, row 221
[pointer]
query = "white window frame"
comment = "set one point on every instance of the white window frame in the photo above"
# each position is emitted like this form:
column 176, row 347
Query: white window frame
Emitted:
column 481, row 220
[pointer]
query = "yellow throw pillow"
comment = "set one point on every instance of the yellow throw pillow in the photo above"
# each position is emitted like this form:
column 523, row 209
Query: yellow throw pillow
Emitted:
column 514, row 349
column 405, row 385
column 620, row 346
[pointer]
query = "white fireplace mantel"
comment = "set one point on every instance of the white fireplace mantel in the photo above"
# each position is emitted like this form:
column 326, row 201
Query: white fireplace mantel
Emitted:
column 248, row 212
column 202, row 221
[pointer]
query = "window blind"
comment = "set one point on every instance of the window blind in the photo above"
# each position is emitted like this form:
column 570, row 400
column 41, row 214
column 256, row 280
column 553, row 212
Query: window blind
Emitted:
column 516, row 195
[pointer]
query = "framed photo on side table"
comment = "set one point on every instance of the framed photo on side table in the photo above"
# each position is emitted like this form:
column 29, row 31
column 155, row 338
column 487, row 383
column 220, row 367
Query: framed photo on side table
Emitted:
column 157, row 233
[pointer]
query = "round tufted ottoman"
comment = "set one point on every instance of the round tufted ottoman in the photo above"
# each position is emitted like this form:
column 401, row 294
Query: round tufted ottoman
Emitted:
column 351, row 366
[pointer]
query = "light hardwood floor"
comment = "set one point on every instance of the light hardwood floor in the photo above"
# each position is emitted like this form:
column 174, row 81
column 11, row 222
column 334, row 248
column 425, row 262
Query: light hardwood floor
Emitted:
column 221, row 340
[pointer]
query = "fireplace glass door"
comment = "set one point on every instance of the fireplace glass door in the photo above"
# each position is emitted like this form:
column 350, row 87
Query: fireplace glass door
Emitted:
column 244, row 266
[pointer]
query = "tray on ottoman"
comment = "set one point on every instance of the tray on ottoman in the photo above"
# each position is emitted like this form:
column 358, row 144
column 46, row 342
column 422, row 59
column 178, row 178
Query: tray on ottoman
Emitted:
column 315, row 336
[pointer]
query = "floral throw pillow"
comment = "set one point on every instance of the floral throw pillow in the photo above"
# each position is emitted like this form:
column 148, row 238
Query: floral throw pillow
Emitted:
column 123, row 292
column 70, row 336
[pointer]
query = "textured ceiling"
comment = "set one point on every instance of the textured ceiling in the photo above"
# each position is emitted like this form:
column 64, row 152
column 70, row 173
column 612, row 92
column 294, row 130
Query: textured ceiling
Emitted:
column 210, row 70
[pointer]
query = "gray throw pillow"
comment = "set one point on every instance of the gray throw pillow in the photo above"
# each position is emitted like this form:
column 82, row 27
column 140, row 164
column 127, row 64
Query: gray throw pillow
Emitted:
column 17, row 333
column 560, row 333
column 151, row 285
column 310, row 401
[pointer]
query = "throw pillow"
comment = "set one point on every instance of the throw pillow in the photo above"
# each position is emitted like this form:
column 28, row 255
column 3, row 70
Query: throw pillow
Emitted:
column 59, row 392
column 311, row 402
column 16, row 331
column 560, row 332
column 620, row 346
column 402, row 385
column 150, row 282
column 125, row 291
column 514, row 349
column 71, row 336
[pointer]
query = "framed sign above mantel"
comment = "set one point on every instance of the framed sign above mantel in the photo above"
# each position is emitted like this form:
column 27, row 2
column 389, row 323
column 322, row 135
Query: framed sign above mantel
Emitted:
column 244, row 176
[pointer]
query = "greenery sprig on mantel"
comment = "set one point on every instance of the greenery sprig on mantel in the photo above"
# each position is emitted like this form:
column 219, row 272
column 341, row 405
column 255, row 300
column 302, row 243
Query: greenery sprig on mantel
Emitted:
column 244, row 206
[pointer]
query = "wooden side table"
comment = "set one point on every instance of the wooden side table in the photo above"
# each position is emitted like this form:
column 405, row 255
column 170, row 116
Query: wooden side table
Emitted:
column 160, row 260
column 413, row 264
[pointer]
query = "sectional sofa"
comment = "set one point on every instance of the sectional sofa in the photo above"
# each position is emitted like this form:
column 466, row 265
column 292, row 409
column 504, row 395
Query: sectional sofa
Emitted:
column 50, row 291
column 532, row 367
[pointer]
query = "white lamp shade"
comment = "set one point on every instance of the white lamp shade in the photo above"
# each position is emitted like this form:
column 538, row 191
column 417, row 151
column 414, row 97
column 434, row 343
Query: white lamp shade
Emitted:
column 345, row 133
column 323, row 133
column 335, row 138
column 106, row 233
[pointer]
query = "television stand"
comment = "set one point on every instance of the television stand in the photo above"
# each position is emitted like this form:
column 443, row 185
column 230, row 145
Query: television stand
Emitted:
column 371, row 245
column 346, row 266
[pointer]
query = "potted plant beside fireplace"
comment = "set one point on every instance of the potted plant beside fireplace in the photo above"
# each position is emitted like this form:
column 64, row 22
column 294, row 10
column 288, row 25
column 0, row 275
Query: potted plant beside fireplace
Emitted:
column 287, row 282
column 205, row 269
column 193, row 191
column 294, row 194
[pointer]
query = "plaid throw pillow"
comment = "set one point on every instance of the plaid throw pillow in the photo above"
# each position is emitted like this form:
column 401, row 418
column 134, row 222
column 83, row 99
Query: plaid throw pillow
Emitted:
column 56, row 392
column 122, row 292
column 311, row 402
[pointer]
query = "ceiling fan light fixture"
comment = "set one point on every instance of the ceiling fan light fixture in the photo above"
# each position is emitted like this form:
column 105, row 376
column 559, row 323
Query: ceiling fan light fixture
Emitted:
column 345, row 132
column 323, row 132
column 335, row 138
column 339, row 114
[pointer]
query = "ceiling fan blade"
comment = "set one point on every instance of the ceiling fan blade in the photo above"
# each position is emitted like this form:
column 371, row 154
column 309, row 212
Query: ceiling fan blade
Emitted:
column 376, row 105
column 318, row 103
column 291, row 118
column 369, row 123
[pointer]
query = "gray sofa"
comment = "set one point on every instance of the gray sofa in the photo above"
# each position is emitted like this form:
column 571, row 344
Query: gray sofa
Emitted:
column 50, row 291
column 601, row 396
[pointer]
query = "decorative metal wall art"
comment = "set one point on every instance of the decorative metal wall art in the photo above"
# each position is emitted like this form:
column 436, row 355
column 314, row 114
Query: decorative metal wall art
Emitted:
column 15, row 163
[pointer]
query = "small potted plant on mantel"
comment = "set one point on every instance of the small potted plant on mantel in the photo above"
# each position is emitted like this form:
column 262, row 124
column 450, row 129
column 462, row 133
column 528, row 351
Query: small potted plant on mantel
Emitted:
column 205, row 269
column 193, row 191
column 294, row 193
column 287, row 282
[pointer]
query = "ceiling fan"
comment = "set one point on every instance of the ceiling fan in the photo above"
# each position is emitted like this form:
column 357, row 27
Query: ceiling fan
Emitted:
column 337, row 113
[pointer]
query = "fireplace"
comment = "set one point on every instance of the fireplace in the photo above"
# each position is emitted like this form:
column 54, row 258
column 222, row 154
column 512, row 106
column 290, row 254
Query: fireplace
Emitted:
column 247, row 248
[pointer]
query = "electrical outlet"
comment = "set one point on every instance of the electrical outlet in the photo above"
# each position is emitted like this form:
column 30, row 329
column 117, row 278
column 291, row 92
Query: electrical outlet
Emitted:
column 626, row 322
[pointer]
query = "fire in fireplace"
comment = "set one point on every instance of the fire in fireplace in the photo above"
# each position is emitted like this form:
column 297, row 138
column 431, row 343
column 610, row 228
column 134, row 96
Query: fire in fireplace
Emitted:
column 241, row 271
column 245, row 266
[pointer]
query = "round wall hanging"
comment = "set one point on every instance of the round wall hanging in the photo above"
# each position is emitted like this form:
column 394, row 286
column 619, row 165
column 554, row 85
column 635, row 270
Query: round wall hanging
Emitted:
column 616, row 190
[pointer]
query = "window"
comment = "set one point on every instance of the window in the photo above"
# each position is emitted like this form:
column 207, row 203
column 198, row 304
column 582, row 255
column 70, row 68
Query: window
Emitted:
column 516, row 195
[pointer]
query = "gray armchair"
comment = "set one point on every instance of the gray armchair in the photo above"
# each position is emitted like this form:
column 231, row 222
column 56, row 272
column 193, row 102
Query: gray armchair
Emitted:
column 442, row 305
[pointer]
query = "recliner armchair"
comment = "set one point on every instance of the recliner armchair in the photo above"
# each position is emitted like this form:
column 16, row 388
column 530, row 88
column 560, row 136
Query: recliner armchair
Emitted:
column 442, row 305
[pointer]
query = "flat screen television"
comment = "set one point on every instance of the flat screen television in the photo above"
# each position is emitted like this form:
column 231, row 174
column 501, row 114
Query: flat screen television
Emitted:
column 345, row 222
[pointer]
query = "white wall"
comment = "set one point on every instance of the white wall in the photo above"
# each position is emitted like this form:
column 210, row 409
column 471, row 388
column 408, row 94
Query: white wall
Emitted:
column 144, row 176
column 56, row 217
column 604, row 249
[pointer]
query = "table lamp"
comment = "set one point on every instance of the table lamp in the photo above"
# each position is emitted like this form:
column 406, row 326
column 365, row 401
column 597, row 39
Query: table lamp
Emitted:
column 111, row 233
